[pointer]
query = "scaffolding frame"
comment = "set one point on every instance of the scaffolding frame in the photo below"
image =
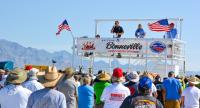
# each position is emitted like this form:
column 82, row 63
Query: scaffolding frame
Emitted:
column 175, row 58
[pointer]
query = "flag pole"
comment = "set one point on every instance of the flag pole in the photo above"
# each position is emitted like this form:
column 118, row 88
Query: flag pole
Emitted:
column 73, row 49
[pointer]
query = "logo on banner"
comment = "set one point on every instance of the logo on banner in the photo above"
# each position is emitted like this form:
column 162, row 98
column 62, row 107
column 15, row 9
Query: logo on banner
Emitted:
column 88, row 46
column 157, row 47
column 132, row 47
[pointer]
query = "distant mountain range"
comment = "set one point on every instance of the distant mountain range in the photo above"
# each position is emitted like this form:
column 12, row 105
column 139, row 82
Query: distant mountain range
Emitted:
column 21, row 55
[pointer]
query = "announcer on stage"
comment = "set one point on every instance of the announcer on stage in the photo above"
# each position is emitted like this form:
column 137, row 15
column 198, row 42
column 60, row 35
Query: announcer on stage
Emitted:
column 117, row 29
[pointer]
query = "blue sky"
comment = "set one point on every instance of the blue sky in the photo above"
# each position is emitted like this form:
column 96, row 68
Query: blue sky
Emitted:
column 33, row 23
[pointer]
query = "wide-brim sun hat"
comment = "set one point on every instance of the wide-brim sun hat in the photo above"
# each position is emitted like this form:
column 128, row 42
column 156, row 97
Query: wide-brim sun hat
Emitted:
column 50, row 78
column 147, row 74
column 104, row 76
column 133, row 76
column 2, row 71
column 194, row 80
column 17, row 76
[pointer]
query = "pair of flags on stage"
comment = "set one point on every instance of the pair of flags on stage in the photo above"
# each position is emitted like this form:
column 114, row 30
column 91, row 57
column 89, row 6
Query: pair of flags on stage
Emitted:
column 63, row 26
column 158, row 26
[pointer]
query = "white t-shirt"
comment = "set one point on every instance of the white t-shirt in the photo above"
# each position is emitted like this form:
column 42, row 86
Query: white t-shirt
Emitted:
column 114, row 95
column 192, row 96
column 33, row 85
column 14, row 96
column 3, row 80
column 153, row 89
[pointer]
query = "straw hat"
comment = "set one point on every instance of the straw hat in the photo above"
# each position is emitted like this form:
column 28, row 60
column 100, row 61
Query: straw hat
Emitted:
column 50, row 78
column 103, row 76
column 2, row 71
column 69, row 72
column 147, row 74
column 194, row 80
column 17, row 76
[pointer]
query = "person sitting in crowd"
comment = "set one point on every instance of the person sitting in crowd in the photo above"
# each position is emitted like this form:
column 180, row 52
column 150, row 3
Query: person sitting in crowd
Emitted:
column 32, row 82
column 48, row 97
column 69, row 88
column 103, row 81
column 86, row 94
column 172, row 34
column 191, row 95
column 143, row 100
column 114, row 94
column 139, row 33
column 2, row 78
column 133, row 79
column 171, row 91
column 14, row 95
column 117, row 30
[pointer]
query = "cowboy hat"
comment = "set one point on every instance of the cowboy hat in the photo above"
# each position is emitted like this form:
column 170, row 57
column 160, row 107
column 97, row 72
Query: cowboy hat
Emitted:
column 17, row 76
column 103, row 76
column 2, row 71
column 194, row 80
column 50, row 78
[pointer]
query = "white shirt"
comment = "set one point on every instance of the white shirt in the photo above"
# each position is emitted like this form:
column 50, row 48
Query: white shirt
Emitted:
column 3, row 80
column 33, row 85
column 192, row 96
column 114, row 95
column 14, row 96
column 153, row 89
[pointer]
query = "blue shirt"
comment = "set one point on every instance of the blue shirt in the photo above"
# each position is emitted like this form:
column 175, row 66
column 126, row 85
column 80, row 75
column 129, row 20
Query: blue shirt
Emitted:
column 47, row 98
column 172, row 87
column 139, row 33
column 172, row 34
column 85, row 96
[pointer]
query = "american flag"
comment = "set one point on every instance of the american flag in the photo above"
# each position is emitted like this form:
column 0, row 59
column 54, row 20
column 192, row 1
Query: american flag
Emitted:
column 159, row 26
column 63, row 26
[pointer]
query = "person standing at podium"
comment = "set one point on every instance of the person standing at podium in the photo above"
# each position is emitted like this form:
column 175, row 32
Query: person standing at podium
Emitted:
column 117, row 30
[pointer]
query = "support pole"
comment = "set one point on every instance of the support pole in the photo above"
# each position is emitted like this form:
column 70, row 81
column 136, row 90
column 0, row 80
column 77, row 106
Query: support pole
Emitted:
column 73, row 49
